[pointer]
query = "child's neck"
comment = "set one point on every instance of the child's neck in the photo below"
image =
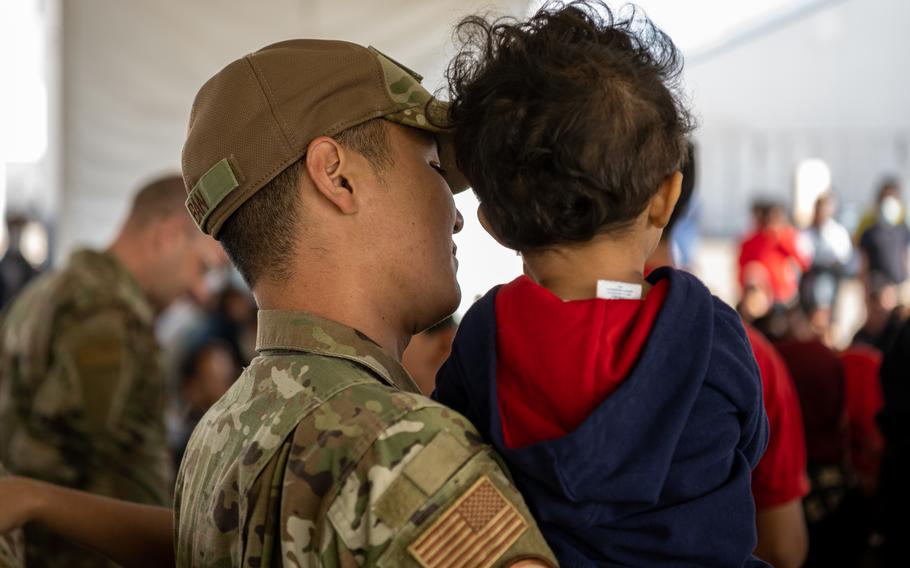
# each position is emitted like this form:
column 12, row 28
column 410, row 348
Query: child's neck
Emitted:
column 571, row 272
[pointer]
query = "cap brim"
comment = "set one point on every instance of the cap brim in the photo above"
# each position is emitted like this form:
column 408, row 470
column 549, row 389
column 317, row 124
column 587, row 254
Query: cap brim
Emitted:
column 416, row 117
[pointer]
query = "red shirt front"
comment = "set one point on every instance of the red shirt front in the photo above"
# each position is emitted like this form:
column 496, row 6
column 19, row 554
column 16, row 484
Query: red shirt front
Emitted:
column 557, row 361
column 780, row 476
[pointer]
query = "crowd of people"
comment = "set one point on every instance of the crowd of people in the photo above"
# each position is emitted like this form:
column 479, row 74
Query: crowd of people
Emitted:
column 791, row 285
column 602, row 409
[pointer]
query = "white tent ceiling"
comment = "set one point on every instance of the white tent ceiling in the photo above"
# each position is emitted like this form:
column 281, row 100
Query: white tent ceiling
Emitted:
column 845, row 64
column 829, row 82
column 131, row 70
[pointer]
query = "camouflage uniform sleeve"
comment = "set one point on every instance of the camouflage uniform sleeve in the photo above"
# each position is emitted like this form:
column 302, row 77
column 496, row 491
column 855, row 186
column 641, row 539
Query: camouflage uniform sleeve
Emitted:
column 425, row 491
column 96, row 413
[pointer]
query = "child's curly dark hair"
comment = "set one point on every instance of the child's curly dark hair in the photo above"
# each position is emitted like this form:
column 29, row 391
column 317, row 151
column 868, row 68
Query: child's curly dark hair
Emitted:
column 567, row 123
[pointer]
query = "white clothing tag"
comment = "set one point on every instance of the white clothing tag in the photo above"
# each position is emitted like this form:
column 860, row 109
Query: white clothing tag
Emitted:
column 613, row 290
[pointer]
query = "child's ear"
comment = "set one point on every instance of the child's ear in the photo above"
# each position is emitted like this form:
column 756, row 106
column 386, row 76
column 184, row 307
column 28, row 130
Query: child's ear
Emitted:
column 661, row 206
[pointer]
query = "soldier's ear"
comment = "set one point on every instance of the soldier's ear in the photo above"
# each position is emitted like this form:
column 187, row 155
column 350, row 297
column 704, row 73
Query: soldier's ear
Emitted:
column 329, row 166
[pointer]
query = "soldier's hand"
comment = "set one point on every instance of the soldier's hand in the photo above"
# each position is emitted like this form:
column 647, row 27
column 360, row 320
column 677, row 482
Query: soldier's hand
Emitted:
column 21, row 500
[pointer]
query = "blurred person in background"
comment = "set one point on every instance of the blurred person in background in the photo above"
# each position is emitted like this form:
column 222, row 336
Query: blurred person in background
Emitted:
column 889, row 187
column 225, row 311
column 863, row 402
column 831, row 250
column 885, row 314
column 233, row 321
column 884, row 244
column 779, row 481
column 81, row 401
column 773, row 254
column 756, row 301
column 426, row 353
column 15, row 270
column 207, row 372
column 894, row 480
column 836, row 512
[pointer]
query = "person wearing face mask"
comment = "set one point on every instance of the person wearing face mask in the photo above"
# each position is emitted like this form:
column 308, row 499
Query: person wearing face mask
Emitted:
column 884, row 244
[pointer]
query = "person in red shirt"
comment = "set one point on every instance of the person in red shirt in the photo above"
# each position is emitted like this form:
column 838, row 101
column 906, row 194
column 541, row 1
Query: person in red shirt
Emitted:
column 773, row 253
column 863, row 402
column 837, row 512
column 779, row 481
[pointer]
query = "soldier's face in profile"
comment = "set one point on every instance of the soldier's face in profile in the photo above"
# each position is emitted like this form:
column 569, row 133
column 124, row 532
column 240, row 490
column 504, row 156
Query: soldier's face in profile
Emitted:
column 419, row 219
column 183, row 262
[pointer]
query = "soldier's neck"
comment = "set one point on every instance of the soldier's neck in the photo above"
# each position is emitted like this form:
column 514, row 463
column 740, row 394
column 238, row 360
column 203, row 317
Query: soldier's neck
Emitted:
column 343, row 302
column 133, row 259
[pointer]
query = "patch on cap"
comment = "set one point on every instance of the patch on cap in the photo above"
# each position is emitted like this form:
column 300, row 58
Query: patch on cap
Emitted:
column 210, row 190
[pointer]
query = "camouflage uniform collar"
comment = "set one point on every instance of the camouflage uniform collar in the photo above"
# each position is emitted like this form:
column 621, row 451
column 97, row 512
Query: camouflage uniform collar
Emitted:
column 281, row 330
column 108, row 267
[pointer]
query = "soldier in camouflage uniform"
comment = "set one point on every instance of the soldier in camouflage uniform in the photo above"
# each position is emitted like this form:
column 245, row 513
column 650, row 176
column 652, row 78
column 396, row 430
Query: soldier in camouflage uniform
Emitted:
column 81, row 390
column 323, row 453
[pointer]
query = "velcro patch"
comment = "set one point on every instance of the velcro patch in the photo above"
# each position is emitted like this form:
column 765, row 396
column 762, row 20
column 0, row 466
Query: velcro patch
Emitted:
column 399, row 502
column 210, row 190
column 474, row 532
column 437, row 462
column 421, row 478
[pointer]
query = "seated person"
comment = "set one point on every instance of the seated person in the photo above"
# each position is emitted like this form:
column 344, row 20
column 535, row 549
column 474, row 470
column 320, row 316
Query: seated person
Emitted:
column 884, row 314
column 628, row 409
column 834, row 506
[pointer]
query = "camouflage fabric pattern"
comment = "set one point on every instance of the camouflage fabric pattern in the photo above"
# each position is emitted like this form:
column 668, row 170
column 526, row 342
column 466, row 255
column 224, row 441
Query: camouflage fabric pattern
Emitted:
column 424, row 111
column 81, row 392
column 323, row 454
column 12, row 554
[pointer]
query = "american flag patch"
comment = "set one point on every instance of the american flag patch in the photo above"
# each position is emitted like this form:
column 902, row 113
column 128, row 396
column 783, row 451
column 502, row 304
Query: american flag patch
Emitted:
column 473, row 533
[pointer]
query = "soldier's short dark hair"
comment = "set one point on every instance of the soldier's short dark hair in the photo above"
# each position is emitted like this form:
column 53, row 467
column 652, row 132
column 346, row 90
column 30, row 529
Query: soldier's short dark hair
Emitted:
column 160, row 198
column 567, row 123
column 261, row 235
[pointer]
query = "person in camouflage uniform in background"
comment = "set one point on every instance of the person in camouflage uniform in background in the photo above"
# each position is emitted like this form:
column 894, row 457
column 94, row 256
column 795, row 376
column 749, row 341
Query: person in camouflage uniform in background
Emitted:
column 12, row 554
column 81, row 389
column 315, row 164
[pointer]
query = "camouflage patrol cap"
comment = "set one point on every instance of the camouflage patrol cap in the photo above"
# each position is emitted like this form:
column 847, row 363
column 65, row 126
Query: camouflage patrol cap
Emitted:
column 256, row 116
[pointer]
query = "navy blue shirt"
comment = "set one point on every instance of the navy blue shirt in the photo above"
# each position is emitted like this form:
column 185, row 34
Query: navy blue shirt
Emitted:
column 659, row 474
